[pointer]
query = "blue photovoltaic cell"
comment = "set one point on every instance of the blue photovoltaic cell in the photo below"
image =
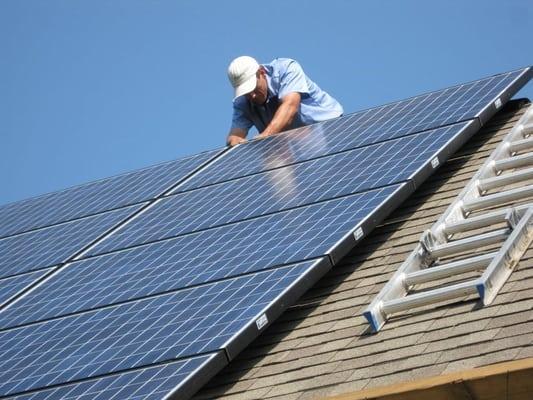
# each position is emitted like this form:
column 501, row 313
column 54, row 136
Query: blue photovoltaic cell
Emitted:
column 152, row 383
column 427, row 111
column 95, row 197
column 11, row 286
column 144, row 332
column 283, row 188
column 231, row 250
column 53, row 245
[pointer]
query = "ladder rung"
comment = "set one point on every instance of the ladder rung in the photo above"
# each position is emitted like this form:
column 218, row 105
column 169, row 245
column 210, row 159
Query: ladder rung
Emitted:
column 470, row 243
column 446, row 270
column 430, row 297
column 513, row 162
column 506, row 179
column 479, row 221
column 498, row 198
column 527, row 129
column 519, row 145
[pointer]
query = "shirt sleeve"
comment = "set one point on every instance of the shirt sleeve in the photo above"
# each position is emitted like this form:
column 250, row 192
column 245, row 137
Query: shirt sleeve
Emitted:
column 239, row 119
column 292, row 80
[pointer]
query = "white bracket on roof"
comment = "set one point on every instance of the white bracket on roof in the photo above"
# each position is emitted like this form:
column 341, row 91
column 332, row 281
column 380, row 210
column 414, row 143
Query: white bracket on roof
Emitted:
column 440, row 256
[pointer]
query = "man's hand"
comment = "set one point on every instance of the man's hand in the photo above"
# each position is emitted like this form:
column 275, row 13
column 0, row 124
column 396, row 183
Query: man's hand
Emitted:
column 264, row 135
column 234, row 140
column 236, row 136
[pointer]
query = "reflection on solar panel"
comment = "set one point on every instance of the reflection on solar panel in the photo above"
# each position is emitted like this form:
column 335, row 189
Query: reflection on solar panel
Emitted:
column 287, row 187
column 96, row 197
column 166, row 299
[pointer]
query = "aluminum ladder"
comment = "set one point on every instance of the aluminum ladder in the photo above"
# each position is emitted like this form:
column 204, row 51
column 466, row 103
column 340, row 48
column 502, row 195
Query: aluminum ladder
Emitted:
column 449, row 253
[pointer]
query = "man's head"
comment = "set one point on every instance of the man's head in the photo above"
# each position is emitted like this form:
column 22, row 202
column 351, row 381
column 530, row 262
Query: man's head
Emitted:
column 248, row 78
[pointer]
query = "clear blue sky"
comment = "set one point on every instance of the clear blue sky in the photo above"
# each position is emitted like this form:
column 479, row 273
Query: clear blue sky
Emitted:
column 89, row 89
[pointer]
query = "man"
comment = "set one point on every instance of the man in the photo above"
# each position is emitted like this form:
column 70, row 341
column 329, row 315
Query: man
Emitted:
column 275, row 97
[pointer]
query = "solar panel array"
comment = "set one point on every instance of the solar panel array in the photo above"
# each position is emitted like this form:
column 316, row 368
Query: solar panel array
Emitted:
column 147, row 284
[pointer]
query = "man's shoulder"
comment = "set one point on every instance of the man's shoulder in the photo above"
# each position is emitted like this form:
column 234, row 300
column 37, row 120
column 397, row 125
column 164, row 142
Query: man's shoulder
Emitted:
column 241, row 103
column 280, row 64
column 282, row 61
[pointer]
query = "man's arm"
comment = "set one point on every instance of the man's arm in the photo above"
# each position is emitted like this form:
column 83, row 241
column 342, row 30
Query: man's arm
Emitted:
column 284, row 115
column 236, row 136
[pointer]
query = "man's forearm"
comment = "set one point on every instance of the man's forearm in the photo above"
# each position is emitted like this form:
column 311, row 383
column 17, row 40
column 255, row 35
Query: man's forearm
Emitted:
column 284, row 115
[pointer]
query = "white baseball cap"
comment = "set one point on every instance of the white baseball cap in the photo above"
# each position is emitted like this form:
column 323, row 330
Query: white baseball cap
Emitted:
column 242, row 75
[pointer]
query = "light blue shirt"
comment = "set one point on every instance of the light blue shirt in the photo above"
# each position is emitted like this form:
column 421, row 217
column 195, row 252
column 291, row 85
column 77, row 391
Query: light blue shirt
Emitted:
column 286, row 76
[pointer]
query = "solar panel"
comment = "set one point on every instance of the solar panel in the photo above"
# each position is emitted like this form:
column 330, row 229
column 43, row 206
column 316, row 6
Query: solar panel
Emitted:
column 287, row 187
column 143, row 332
column 53, row 245
column 151, row 383
column 11, row 286
column 215, row 274
column 95, row 197
column 427, row 111
column 282, row 238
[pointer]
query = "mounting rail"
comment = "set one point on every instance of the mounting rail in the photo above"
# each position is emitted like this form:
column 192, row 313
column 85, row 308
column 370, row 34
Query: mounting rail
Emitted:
column 486, row 201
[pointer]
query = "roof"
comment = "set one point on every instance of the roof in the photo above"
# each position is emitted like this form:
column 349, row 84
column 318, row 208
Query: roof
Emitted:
column 322, row 346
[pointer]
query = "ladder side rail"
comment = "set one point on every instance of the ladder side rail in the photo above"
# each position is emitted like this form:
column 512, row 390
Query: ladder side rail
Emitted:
column 507, row 258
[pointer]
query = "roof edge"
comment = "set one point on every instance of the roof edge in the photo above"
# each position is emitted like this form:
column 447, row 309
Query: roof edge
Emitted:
column 495, row 376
